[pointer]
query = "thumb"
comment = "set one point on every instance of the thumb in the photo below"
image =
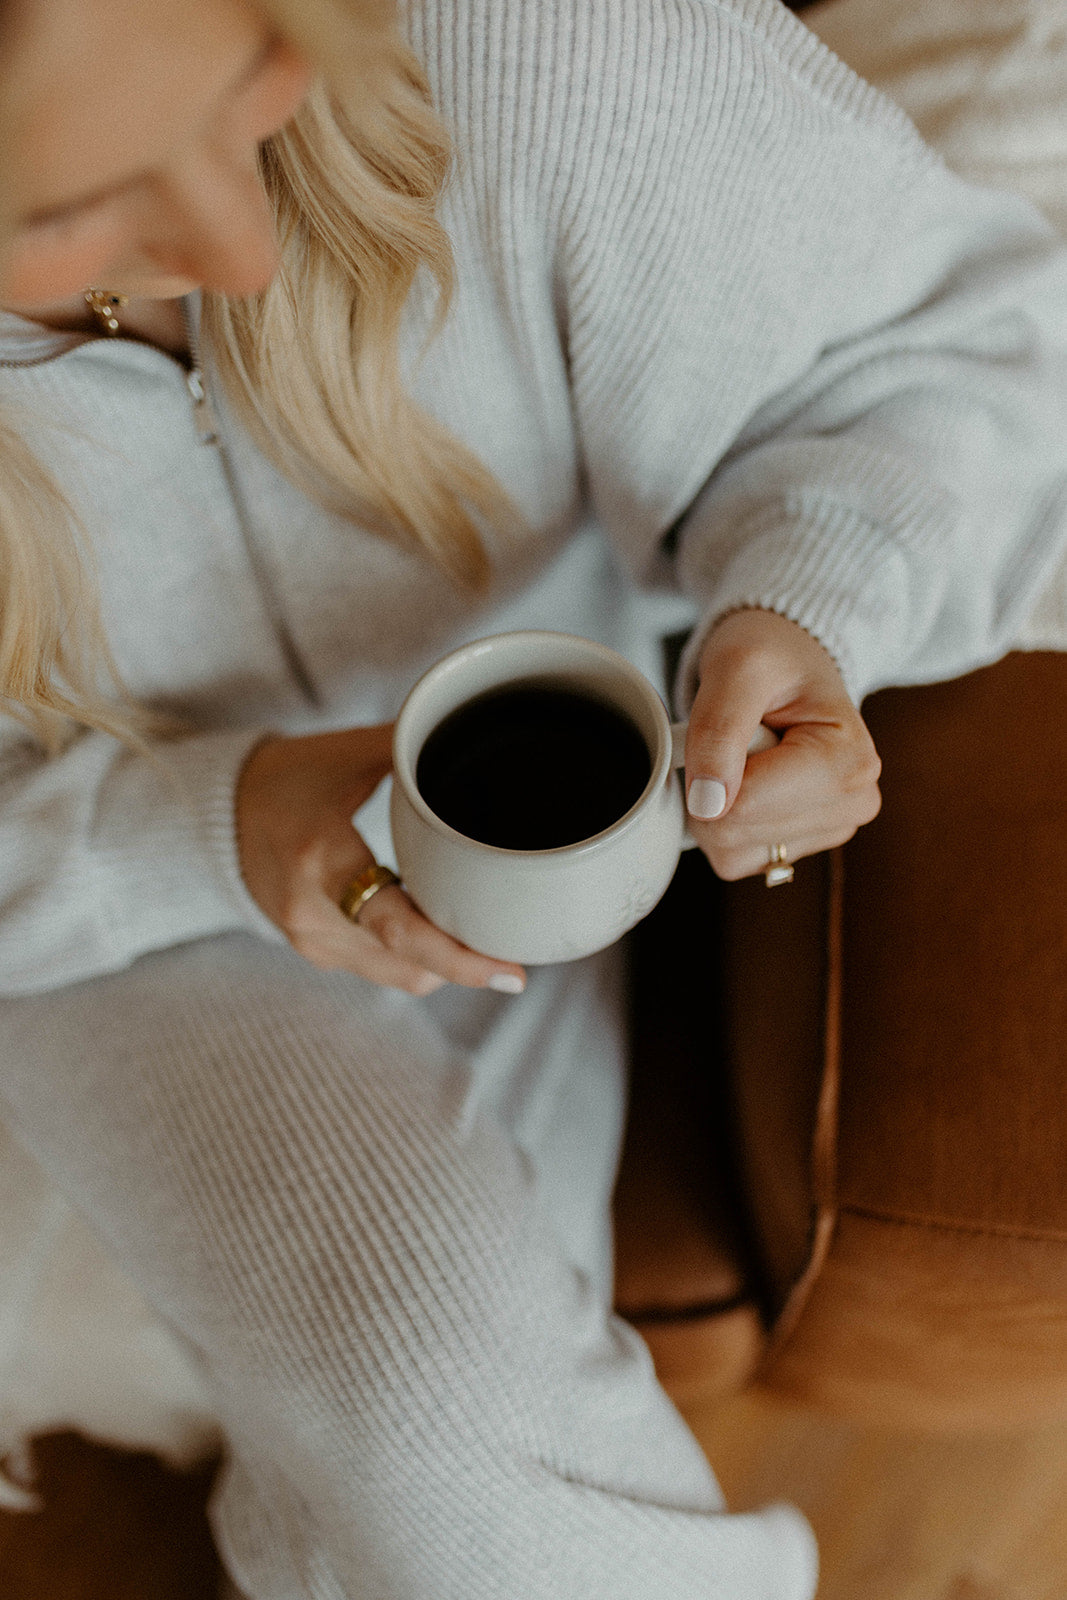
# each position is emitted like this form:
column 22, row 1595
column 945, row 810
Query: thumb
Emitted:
column 372, row 747
column 360, row 758
column 725, row 727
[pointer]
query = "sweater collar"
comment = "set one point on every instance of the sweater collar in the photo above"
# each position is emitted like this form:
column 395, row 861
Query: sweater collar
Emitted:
column 25, row 343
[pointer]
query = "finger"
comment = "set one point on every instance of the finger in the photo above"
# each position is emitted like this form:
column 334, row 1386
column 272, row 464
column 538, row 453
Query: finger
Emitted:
column 366, row 745
column 337, row 945
column 723, row 722
column 418, row 950
column 363, row 757
column 323, row 934
column 401, row 928
column 753, row 859
column 816, row 780
column 792, row 806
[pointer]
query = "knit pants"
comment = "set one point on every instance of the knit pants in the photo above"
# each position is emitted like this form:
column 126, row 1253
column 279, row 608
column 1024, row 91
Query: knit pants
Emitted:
column 380, row 1224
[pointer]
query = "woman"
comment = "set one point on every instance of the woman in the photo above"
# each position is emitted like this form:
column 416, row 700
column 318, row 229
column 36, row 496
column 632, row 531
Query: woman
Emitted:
column 721, row 329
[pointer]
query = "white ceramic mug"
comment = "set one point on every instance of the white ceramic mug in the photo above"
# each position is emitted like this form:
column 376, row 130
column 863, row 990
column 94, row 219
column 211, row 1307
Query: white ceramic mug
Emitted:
column 537, row 906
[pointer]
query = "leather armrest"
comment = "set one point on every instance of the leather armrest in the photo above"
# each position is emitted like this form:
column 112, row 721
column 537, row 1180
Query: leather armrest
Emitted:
column 934, row 1289
column 885, row 1132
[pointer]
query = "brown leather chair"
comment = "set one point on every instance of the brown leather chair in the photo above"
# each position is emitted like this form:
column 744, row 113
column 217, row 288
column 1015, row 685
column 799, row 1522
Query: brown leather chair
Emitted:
column 884, row 1107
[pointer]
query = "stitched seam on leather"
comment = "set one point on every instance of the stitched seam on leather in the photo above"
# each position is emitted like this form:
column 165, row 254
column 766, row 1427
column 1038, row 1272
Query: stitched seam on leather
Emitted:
column 827, row 1117
column 998, row 1230
column 824, row 1138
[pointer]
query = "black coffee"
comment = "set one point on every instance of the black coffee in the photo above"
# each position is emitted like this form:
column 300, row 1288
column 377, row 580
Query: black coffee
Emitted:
column 532, row 767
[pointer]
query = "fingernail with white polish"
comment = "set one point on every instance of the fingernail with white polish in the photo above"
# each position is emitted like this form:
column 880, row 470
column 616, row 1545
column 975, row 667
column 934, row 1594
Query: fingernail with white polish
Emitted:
column 506, row 983
column 707, row 798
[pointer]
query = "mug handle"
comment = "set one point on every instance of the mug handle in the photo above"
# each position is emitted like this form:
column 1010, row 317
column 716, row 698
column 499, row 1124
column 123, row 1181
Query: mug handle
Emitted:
column 763, row 739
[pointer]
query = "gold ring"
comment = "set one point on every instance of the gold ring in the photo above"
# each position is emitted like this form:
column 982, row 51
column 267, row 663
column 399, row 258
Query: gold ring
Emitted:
column 779, row 869
column 364, row 887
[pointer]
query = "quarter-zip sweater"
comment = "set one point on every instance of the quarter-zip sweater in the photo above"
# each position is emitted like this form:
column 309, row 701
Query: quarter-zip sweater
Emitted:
column 727, row 331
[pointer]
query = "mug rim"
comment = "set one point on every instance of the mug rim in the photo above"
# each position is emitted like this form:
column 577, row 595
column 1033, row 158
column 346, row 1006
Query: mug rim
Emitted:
column 403, row 770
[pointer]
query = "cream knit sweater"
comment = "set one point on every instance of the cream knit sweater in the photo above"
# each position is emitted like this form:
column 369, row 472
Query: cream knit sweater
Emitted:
column 691, row 250
column 715, row 298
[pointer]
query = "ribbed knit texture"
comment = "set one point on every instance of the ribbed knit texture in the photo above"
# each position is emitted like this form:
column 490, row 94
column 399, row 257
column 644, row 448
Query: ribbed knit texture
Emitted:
column 986, row 82
column 725, row 326
column 426, row 1401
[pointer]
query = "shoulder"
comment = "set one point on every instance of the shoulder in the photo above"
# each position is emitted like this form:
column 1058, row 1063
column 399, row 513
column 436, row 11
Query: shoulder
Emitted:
column 614, row 136
column 567, row 63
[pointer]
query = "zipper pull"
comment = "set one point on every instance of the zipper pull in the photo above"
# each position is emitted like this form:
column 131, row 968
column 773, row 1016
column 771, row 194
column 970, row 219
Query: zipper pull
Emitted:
column 207, row 427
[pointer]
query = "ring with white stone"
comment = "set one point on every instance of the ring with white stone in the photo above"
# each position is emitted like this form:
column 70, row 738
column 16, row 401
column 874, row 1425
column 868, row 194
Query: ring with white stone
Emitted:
column 779, row 868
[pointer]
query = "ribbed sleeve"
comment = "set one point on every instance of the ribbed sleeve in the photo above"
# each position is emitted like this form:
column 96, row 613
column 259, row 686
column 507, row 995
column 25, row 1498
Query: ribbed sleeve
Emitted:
column 775, row 302
column 106, row 854
column 906, row 499
column 672, row 161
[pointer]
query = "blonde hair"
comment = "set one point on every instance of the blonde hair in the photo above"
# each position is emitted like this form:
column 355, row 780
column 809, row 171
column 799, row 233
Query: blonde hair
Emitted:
column 354, row 182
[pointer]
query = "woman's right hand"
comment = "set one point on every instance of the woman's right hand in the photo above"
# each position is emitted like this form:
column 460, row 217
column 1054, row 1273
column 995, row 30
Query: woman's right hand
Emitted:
column 299, row 852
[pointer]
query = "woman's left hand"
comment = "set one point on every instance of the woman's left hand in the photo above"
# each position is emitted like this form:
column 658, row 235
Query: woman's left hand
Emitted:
column 809, row 793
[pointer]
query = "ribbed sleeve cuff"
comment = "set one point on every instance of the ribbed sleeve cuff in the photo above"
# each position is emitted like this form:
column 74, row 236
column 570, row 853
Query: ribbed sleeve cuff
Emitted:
column 172, row 872
column 839, row 576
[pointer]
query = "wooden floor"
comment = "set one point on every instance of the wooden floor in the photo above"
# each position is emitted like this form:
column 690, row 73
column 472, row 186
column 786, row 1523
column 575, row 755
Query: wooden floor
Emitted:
column 898, row 1518
column 903, row 1518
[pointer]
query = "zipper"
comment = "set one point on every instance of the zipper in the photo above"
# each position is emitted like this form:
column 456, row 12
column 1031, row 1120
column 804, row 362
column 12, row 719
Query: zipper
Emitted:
column 207, row 426
column 207, row 431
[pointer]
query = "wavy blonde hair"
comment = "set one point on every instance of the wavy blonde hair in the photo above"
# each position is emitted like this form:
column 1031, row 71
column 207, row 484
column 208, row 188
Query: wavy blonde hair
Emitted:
column 354, row 181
